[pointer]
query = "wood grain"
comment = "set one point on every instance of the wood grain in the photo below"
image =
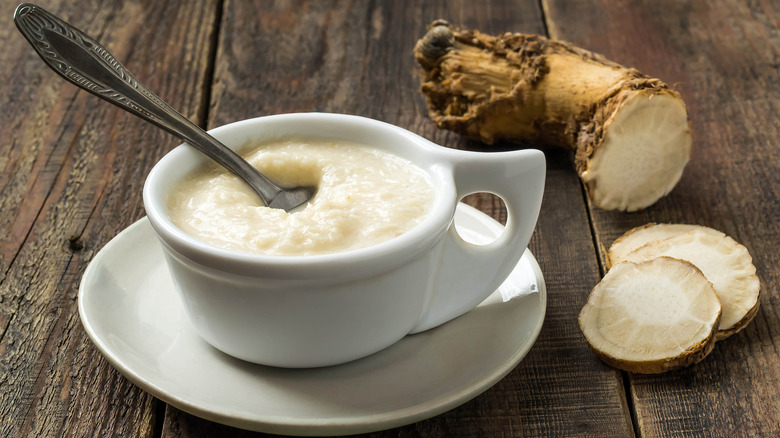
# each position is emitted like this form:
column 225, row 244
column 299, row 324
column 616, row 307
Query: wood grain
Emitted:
column 723, row 56
column 356, row 57
column 73, row 167
column 73, row 172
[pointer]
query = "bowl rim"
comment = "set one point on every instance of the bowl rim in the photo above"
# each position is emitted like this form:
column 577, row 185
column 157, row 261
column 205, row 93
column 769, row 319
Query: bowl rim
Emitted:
column 406, row 247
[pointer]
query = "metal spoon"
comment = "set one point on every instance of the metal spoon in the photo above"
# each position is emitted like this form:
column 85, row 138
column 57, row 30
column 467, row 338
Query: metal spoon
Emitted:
column 81, row 60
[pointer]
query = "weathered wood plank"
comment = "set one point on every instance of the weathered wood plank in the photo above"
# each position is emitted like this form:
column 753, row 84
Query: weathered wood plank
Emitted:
column 723, row 56
column 356, row 57
column 73, row 169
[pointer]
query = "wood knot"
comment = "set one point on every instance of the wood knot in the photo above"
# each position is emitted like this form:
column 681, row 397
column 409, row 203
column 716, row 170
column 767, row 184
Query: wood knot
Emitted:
column 75, row 243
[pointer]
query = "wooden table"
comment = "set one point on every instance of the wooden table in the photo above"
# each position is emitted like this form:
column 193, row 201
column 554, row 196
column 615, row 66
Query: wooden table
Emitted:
column 73, row 168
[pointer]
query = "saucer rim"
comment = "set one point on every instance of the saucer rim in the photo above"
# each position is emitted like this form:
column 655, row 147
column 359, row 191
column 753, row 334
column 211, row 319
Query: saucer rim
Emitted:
column 338, row 425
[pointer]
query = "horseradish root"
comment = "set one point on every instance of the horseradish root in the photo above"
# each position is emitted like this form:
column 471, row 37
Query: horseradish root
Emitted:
column 630, row 132
column 651, row 317
column 724, row 262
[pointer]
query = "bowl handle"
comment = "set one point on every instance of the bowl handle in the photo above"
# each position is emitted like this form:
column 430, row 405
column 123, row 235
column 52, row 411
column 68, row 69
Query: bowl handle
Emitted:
column 469, row 273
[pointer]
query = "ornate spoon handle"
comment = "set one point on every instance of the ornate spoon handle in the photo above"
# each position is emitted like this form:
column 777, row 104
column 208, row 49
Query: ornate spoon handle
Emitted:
column 81, row 60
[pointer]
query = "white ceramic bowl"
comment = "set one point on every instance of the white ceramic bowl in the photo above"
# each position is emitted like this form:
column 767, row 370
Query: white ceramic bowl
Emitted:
column 328, row 309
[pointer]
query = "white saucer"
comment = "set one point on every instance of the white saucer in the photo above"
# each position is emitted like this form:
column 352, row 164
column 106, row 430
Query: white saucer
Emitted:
column 131, row 311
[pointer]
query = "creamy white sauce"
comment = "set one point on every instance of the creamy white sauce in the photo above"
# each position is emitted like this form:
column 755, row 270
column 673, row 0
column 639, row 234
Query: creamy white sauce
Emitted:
column 365, row 196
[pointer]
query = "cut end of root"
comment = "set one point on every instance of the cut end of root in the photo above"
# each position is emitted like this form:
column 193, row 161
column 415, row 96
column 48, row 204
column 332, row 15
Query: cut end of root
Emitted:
column 651, row 317
column 644, row 148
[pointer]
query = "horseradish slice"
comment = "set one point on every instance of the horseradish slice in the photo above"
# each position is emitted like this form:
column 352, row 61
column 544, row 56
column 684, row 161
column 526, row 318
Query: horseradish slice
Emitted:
column 651, row 317
column 725, row 263
column 640, row 236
